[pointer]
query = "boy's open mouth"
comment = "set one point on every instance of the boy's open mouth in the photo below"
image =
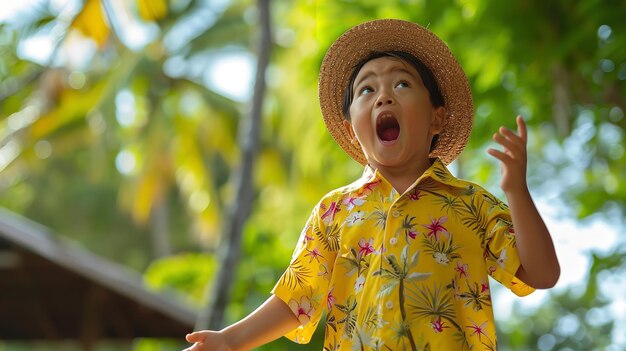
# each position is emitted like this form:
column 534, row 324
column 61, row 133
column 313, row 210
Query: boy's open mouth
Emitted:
column 387, row 127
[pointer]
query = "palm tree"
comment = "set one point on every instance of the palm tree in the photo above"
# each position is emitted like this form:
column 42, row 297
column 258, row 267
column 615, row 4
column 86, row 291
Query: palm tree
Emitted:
column 398, row 275
column 434, row 303
column 213, row 314
column 350, row 318
column 170, row 147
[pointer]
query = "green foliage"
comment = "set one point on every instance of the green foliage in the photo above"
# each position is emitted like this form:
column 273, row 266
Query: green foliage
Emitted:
column 157, row 345
column 559, row 64
column 578, row 318
column 189, row 273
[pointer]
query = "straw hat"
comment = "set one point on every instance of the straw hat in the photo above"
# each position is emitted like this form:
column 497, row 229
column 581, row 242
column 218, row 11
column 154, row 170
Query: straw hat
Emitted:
column 396, row 35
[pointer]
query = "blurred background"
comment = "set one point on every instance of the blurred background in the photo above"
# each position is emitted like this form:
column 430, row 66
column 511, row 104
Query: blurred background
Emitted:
column 170, row 151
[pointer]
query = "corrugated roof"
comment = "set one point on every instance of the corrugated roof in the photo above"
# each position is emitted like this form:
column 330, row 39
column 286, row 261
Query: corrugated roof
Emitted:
column 51, row 289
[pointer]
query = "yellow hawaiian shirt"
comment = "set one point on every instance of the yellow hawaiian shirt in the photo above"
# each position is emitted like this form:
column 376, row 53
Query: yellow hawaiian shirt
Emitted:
column 402, row 271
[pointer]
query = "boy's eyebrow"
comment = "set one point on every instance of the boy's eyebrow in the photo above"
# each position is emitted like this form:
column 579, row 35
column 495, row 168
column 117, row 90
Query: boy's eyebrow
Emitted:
column 372, row 73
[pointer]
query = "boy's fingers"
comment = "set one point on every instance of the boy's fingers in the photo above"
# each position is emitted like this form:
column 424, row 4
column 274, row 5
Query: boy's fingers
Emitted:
column 499, row 155
column 515, row 142
column 521, row 127
column 510, row 145
column 502, row 140
column 197, row 336
column 509, row 134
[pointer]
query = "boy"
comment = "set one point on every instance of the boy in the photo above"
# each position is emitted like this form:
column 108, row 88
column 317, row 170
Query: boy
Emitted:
column 399, row 259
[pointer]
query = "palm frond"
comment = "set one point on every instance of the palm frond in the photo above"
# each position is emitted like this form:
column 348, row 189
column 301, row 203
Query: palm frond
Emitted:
column 432, row 303
column 330, row 237
column 395, row 266
column 350, row 317
column 379, row 216
column 450, row 205
column 475, row 298
column 297, row 274
column 387, row 288
column 475, row 218
column 352, row 263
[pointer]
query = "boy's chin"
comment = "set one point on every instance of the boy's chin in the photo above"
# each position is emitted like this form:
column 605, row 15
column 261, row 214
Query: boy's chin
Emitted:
column 392, row 159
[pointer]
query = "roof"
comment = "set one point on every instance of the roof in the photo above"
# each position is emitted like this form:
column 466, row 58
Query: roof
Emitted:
column 51, row 289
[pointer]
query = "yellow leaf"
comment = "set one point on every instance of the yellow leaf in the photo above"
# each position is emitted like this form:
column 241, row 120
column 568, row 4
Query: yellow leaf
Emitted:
column 151, row 10
column 147, row 193
column 91, row 23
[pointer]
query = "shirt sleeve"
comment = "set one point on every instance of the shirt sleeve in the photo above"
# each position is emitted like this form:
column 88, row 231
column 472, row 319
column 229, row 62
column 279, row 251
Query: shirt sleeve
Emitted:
column 501, row 256
column 304, row 284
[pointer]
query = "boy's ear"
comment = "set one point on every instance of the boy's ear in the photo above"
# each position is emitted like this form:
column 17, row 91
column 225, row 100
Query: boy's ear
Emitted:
column 348, row 126
column 439, row 116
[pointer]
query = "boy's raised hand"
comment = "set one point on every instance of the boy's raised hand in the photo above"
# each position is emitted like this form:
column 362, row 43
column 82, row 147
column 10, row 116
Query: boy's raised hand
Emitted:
column 207, row 340
column 513, row 157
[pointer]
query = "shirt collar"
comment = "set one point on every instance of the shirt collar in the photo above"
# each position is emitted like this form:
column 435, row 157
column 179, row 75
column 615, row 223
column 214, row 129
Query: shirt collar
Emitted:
column 437, row 171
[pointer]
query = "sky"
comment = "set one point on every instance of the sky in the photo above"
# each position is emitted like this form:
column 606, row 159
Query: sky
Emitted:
column 231, row 71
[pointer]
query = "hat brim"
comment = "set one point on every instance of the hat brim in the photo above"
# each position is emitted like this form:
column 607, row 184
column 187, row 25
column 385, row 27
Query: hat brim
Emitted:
column 397, row 35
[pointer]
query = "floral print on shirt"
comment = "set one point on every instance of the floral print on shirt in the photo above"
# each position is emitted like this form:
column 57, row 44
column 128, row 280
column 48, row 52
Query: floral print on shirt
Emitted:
column 402, row 271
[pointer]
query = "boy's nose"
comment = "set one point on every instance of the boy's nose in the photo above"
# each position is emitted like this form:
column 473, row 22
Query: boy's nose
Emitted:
column 384, row 99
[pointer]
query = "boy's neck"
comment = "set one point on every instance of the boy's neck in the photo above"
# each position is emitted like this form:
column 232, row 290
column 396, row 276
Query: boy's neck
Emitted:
column 401, row 178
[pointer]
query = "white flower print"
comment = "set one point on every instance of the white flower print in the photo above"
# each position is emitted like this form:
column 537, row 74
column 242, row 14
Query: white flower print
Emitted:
column 358, row 286
column 351, row 202
column 502, row 258
column 355, row 218
column 441, row 258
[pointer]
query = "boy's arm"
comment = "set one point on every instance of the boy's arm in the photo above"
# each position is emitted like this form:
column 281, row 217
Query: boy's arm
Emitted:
column 539, row 265
column 270, row 321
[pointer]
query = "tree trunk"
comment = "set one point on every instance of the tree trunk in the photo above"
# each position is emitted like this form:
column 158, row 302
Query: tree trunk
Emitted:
column 562, row 105
column 212, row 315
column 159, row 233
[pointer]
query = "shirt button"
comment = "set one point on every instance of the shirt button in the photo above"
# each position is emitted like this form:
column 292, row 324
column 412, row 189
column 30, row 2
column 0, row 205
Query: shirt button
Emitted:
column 395, row 213
column 393, row 241
column 389, row 305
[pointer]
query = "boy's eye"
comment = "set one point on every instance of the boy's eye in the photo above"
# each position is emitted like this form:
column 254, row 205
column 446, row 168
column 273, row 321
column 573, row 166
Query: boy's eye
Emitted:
column 402, row 84
column 365, row 90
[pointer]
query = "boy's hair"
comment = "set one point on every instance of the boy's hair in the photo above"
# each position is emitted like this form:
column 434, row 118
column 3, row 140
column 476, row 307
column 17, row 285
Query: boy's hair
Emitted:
column 436, row 98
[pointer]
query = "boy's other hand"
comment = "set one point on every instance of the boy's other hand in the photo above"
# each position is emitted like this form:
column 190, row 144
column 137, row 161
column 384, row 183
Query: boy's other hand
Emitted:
column 207, row 340
column 513, row 156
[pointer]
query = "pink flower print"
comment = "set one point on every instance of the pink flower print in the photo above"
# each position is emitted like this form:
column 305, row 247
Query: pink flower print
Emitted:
column 330, row 299
column 329, row 215
column 436, row 227
column 314, row 254
column 367, row 189
column 492, row 269
column 366, row 247
column 461, row 269
column 355, row 218
column 415, row 194
column 302, row 310
column 484, row 286
column 305, row 236
column 502, row 258
column 457, row 291
column 351, row 202
column 438, row 325
column 478, row 329
column 323, row 271
column 413, row 234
